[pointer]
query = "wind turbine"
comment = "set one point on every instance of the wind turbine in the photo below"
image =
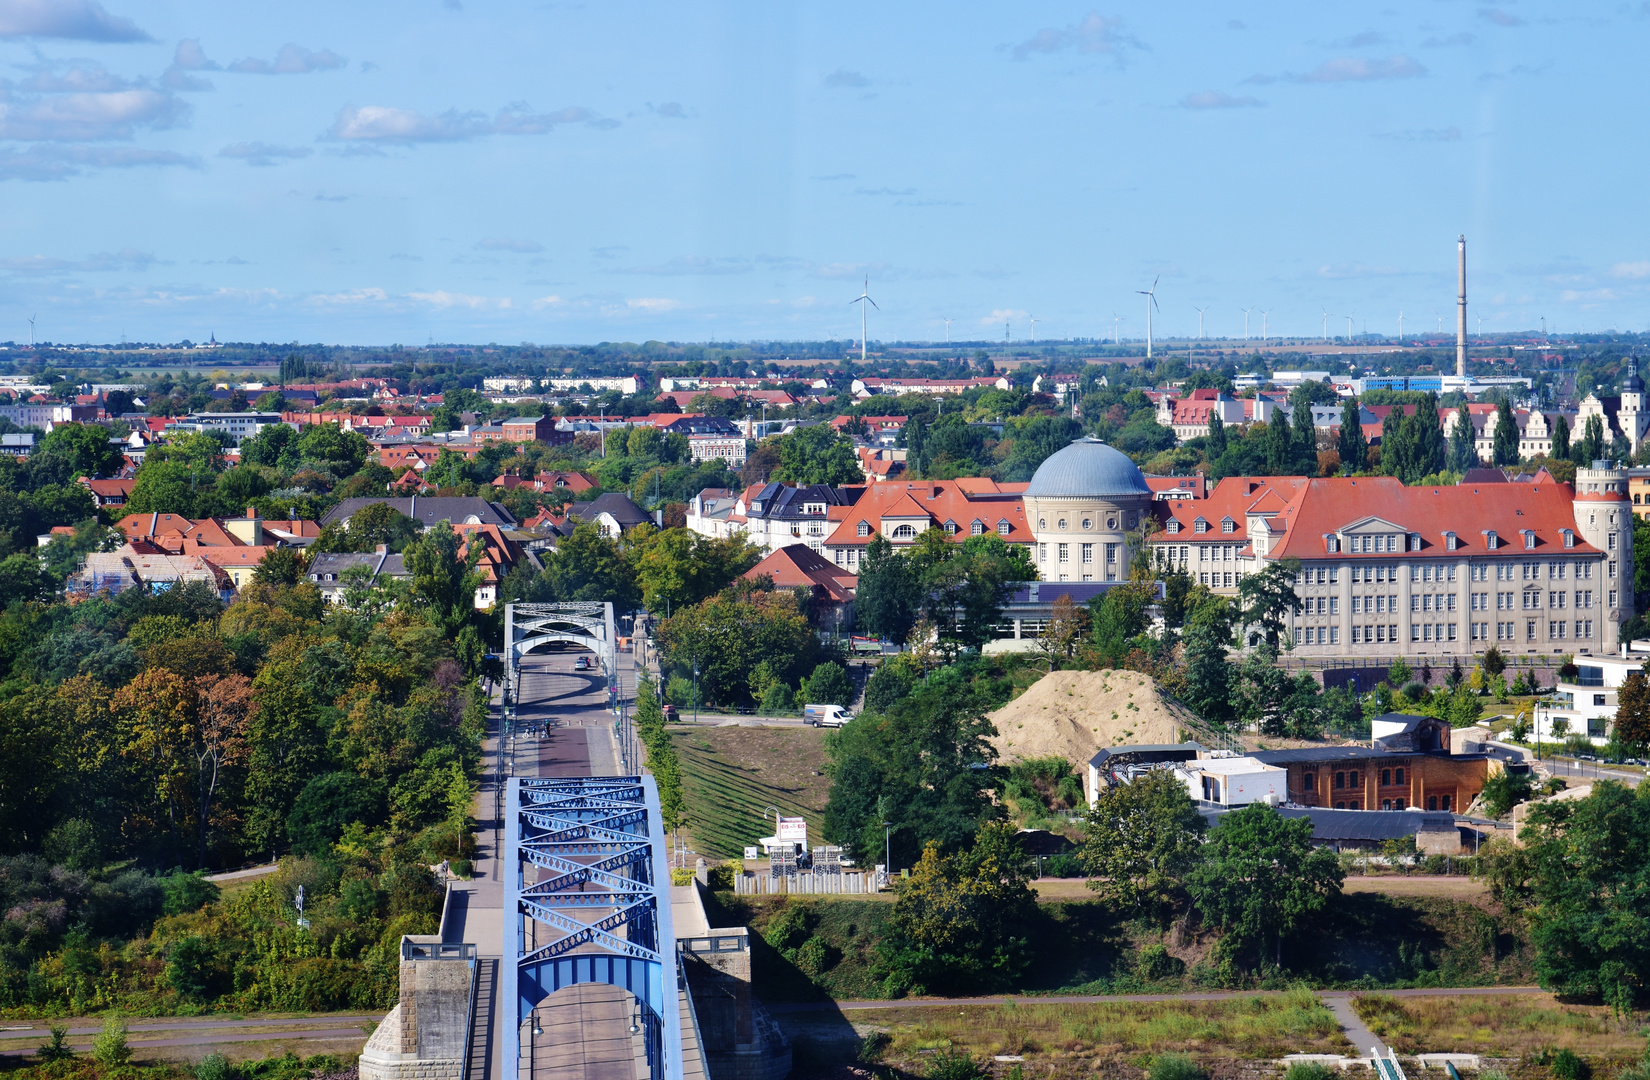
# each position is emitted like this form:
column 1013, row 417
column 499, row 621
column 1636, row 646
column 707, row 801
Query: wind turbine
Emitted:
column 1349, row 329
column 1200, row 312
column 1034, row 331
column 948, row 323
column 1263, row 314
column 1246, row 312
column 862, row 299
column 1151, row 301
column 31, row 330
column 1400, row 324
column 1326, row 324
column 1116, row 319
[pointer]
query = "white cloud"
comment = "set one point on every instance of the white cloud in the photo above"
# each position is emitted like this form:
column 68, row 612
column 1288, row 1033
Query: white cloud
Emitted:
column 189, row 57
column 85, row 117
column 369, row 124
column 259, row 153
column 352, row 296
column 79, row 20
column 1632, row 270
column 1360, row 69
column 1499, row 17
column 62, row 162
column 653, row 304
column 685, row 265
column 442, row 299
column 497, row 243
column 1004, row 315
column 1096, row 35
column 125, row 259
column 1216, row 99
column 1587, row 296
column 291, row 60
column 551, row 301
column 1358, row 270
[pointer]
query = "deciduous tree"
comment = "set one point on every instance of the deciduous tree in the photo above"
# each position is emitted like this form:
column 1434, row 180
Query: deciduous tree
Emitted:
column 1140, row 840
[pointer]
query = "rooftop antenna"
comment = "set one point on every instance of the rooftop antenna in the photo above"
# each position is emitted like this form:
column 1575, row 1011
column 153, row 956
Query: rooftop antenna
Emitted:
column 1200, row 312
column 1263, row 314
column 947, row 330
column 862, row 299
column 1151, row 302
column 1246, row 312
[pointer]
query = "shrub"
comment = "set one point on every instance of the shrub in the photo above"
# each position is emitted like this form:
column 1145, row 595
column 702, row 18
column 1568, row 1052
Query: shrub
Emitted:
column 212, row 1067
column 1156, row 963
column 109, row 1049
column 1568, row 1066
column 956, row 1065
column 58, row 1049
column 1175, row 1067
column 184, row 893
column 1307, row 1070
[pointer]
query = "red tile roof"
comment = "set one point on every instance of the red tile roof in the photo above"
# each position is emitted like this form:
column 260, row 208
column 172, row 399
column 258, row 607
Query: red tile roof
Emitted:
column 961, row 502
column 797, row 565
column 1231, row 498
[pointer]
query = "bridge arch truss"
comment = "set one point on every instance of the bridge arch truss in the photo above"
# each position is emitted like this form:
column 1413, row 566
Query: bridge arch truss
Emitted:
column 597, row 911
column 532, row 626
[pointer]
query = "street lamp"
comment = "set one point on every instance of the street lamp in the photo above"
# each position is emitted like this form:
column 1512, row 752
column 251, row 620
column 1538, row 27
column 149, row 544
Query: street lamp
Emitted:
column 696, row 691
column 888, row 847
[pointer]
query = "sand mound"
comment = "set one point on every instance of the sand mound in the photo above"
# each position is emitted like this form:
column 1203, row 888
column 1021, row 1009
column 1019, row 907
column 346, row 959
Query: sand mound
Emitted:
column 1073, row 714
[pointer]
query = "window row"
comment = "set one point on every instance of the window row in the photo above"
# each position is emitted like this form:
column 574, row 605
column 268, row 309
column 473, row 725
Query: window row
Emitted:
column 1372, row 635
column 1431, row 631
column 1317, row 635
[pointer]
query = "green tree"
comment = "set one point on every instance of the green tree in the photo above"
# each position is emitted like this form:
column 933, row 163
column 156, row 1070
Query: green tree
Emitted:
column 817, row 455
column 275, row 445
column 964, row 586
column 959, row 922
column 1424, row 438
column 1463, row 453
column 1632, row 725
column 1119, row 615
column 1590, row 887
column 281, row 566
column 1505, row 790
column 1353, row 447
column 589, row 566
column 1267, row 599
column 71, row 451
column 1208, row 674
column 828, row 685
column 1215, row 444
column 728, row 635
column 676, row 568
column 1261, row 878
column 331, row 447
column 1306, row 433
column 1561, row 438
column 1394, row 443
column 1280, row 445
column 1140, row 840
column 1504, row 449
column 923, row 765
column 888, row 597
column 444, row 579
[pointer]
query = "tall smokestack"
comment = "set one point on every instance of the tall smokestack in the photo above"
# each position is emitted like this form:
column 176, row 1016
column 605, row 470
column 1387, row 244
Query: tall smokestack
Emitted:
column 1461, row 314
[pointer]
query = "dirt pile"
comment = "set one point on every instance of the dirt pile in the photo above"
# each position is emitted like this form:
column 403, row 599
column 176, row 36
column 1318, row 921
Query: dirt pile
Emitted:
column 1073, row 714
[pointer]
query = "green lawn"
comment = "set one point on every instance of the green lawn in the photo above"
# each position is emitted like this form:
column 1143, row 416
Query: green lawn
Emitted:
column 731, row 774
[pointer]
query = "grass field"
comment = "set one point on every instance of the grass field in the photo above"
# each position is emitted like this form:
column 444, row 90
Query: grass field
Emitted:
column 1513, row 1026
column 730, row 774
column 1235, row 1028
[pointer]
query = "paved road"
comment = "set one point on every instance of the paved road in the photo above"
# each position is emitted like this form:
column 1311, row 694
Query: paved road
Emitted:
column 1090, row 999
column 20, row 1039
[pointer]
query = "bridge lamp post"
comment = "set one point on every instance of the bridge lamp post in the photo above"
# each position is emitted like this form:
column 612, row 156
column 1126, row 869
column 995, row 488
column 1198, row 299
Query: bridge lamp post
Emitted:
column 696, row 691
column 888, row 848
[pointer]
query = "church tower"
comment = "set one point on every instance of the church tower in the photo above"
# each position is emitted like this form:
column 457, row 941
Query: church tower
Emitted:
column 1631, row 414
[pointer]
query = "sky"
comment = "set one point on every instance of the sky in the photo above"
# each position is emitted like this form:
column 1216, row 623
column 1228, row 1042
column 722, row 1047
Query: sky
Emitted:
column 480, row 171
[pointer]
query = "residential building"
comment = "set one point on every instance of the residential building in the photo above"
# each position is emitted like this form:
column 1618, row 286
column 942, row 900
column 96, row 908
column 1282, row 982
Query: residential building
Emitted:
column 45, row 415
column 328, row 571
column 522, row 429
column 239, row 425
column 1391, row 570
column 797, row 566
column 17, row 444
column 142, row 565
column 728, row 448
column 626, row 384
column 1375, row 778
column 1189, row 417
column 1586, row 703
column 459, row 510
column 868, row 387
column 902, row 510
column 613, row 513
column 109, row 494
column 773, row 515
column 1623, row 415
column 711, row 513
column 499, row 555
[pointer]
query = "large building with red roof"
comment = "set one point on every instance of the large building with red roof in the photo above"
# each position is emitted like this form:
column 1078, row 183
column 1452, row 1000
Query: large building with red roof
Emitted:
column 1443, row 570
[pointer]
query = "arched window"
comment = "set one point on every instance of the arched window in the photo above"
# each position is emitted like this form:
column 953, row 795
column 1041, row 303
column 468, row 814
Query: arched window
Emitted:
column 1386, row 777
column 905, row 532
column 1062, row 524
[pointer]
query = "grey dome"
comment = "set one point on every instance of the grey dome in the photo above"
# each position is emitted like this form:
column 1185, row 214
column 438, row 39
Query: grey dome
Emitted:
column 1088, row 467
column 1632, row 384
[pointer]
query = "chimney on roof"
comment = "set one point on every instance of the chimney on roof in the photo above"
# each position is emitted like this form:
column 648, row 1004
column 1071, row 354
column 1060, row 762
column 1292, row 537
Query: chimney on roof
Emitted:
column 381, row 549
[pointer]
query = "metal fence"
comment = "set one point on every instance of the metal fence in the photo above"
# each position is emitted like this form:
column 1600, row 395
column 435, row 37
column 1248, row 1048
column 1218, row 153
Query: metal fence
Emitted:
column 804, row 883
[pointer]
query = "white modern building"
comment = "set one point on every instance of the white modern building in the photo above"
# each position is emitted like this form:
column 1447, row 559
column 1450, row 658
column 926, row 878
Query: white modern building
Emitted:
column 1586, row 704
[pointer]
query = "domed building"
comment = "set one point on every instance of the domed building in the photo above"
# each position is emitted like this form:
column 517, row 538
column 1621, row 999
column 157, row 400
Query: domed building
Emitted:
column 1080, row 504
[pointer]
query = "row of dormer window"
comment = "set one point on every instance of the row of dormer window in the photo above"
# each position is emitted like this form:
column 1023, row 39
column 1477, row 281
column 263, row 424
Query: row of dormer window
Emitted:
column 906, row 532
column 1383, row 543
